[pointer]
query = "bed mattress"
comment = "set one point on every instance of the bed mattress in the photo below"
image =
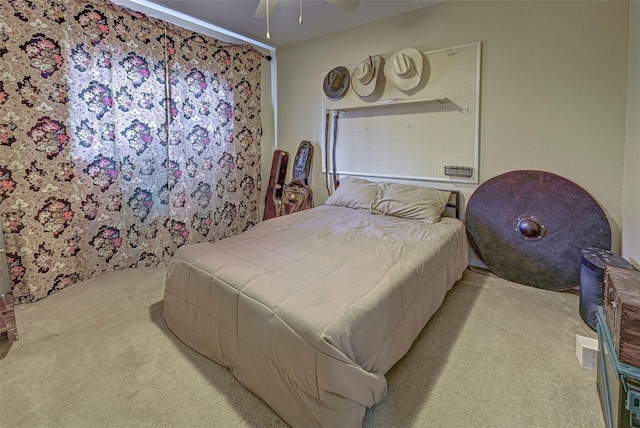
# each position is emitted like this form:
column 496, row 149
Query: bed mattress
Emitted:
column 310, row 310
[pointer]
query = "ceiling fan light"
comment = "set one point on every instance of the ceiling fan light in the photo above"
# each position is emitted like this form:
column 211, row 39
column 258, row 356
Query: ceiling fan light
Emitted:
column 265, row 9
column 345, row 5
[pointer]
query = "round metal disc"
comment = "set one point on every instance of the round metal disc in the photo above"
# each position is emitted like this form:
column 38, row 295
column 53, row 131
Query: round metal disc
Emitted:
column 530, row 227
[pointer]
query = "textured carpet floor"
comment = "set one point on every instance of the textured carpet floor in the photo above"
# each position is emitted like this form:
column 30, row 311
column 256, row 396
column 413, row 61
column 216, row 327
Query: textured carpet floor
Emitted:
column 98, row 354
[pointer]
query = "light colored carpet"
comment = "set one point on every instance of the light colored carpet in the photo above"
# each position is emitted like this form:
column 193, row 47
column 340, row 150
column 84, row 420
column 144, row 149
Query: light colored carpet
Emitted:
column 98, row 354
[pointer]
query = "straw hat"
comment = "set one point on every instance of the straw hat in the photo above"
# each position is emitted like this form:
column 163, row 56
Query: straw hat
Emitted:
column 365, row 76
column 404, row 69
column 336, row 83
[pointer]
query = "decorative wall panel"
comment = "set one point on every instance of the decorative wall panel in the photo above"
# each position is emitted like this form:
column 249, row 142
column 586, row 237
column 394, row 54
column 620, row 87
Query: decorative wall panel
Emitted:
column 412, row 134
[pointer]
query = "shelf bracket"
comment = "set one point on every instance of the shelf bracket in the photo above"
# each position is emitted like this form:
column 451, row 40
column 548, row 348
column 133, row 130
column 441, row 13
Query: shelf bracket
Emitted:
column 442, row 101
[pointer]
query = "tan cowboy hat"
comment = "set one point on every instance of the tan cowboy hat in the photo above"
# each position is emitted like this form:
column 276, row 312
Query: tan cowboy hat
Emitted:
column 404, row 69
column 365, row 76
column 336, row 83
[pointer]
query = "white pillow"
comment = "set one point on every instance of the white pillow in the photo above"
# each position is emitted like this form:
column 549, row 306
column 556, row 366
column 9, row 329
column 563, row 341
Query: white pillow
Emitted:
column 354, row 193
column 409, row 201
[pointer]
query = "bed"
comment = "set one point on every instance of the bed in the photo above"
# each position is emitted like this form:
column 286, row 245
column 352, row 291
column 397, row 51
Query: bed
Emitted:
column 310, row 310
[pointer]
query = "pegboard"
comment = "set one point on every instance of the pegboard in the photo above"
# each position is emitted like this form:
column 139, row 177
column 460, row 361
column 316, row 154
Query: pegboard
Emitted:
column 413, row 134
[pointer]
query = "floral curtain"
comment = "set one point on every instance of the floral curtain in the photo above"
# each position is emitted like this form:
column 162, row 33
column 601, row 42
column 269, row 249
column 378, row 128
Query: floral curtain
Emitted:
column 121, row 138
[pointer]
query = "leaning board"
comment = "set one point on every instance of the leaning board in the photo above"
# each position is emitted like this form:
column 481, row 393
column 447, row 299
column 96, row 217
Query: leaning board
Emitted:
column 415, row 134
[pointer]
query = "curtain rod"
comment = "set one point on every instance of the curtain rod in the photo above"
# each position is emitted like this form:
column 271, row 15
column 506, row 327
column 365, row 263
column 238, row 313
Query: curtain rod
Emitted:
column 174, row 28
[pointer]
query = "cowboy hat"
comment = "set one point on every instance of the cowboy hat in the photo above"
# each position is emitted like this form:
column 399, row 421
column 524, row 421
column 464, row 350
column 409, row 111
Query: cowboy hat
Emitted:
column 365, row 76
column 404, row 69
column 336, row 83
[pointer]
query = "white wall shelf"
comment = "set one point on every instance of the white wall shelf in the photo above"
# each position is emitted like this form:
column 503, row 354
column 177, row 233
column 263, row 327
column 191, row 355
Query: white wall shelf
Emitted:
column 390, row 103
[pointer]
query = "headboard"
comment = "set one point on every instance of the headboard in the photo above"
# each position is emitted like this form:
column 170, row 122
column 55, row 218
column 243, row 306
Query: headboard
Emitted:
column 453, row 206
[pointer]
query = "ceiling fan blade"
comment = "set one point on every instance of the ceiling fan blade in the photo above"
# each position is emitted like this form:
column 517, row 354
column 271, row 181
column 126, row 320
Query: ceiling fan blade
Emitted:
column 261, row 11
column 344, row 5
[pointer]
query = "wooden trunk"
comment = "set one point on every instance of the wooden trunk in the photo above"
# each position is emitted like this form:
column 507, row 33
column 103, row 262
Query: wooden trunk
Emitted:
column 8, row 330
column 622, row 312
column 618, row 384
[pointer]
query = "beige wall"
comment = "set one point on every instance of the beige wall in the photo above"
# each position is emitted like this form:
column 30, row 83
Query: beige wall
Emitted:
column 554, row 85
column 631, row 187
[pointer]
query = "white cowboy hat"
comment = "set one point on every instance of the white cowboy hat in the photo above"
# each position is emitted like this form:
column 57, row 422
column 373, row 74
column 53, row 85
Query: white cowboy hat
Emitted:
column 336, row 83
column 404, row 69
column 365, row 76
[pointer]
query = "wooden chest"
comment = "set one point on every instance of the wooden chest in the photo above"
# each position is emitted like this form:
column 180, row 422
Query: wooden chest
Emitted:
column 618, row 384
column 8, row 331
column 622, row 312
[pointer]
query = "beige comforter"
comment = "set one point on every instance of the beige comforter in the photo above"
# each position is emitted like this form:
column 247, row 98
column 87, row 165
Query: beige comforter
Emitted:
column 310, row 310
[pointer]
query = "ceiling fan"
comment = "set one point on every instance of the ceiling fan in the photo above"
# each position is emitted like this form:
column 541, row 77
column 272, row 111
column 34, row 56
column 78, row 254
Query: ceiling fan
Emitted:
column 266, row 7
